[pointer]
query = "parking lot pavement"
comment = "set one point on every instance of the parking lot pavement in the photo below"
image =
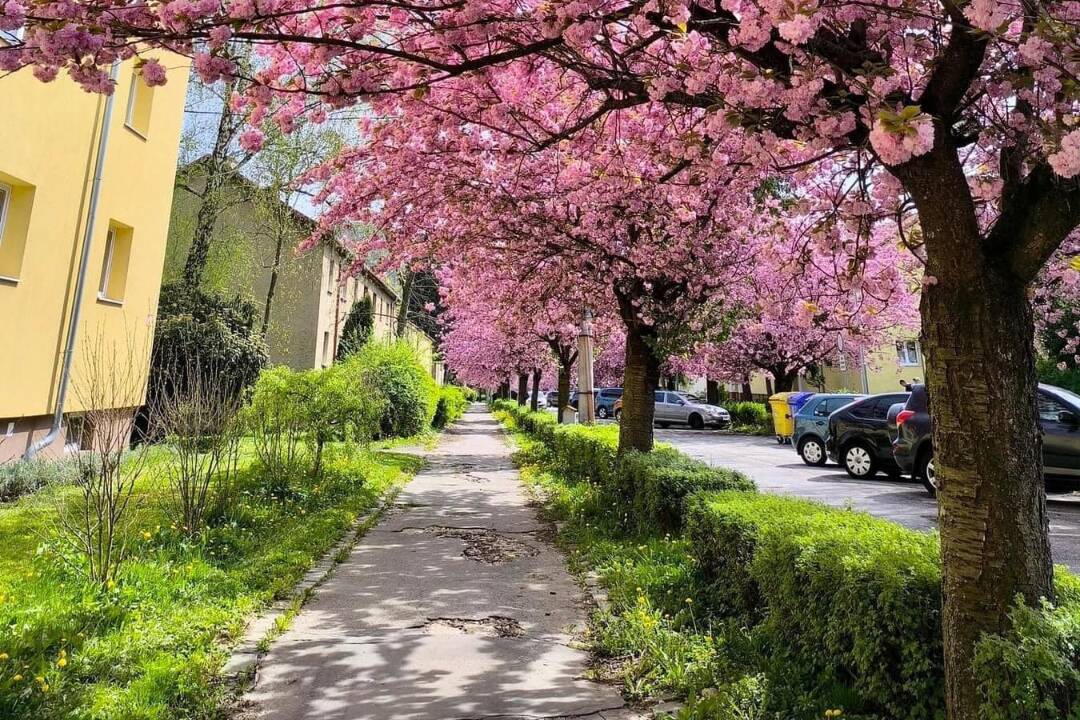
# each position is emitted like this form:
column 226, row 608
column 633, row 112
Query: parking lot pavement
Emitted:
column 777, row 469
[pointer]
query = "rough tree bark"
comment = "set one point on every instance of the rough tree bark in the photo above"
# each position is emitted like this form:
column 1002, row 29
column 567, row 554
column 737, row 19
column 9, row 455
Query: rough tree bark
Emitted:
column 978, row 338
column 523, row 387
column 406, row 298
column 747, row 391
column 641, row 377
column 535, row 397
column 712, row 392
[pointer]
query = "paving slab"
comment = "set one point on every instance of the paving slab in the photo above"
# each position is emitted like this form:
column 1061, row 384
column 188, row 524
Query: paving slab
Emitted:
column 455, row 607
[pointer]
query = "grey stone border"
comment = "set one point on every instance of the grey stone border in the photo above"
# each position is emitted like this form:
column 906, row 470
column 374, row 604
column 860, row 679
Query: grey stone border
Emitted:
column 241, row 668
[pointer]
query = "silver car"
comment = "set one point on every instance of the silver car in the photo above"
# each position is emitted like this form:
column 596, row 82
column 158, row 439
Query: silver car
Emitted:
column 683, row 409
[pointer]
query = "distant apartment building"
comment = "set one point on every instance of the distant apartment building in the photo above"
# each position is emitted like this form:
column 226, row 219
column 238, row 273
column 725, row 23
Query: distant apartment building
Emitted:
column 877, row 371
column 304, row 298
column 49, row 139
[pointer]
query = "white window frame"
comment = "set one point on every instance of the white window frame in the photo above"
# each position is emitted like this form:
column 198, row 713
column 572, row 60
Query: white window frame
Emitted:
column 908, row 353
column 106, row 269
column 136, row 84
column 5, row 206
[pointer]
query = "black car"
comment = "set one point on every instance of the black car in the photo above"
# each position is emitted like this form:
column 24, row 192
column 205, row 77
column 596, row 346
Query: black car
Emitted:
column 859, row 437
column 1059, row 419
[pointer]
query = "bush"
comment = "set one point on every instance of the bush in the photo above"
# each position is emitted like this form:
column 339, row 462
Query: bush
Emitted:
column 199, row 334
column 410, row 393
column 276, row 420
column 22, row 478
column 451, row 406
column 849, row 605
column 1032, row 671
column 748, row 413
column 356, row 330
column 653, row 486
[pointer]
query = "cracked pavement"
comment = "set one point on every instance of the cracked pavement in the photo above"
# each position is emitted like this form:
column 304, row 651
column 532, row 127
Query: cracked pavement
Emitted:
column 454, row 607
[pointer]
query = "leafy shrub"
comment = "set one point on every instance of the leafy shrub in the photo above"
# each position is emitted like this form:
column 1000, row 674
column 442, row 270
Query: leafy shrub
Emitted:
column 586, row 452
column 451, row 406
column 1032, row 671
column 200, row 334
column 338, row 403
column 748, row 413
column 276, row 419
column 410, row 393
column 653, row 486
column 356, row 330
column 22, row 478
column 849, row 605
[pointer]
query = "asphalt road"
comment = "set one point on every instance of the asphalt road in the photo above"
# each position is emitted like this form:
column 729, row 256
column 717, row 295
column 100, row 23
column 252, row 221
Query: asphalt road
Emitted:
column 777, row 469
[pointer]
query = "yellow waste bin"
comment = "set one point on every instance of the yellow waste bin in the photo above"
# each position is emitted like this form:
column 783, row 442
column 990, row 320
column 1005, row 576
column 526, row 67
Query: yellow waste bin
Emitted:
column 783, row 422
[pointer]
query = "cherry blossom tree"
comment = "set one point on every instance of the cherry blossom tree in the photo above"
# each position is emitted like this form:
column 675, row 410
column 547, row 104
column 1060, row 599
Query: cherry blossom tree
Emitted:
column 960, row 114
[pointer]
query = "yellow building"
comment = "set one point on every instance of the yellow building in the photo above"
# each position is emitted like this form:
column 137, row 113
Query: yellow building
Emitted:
column 50, row 135
column 878, row 371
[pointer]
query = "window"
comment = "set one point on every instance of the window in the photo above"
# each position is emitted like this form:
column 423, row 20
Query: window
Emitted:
column 1050, row 409
column 907, row 352
column 140, row 101
column 16, row 199
column 114, row 264
column 330, row 274
column 5, row 202
column 326, row 348
column 12, row 37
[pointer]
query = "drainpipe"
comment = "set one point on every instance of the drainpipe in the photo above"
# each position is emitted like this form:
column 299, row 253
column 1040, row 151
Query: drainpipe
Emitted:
column 80, row 279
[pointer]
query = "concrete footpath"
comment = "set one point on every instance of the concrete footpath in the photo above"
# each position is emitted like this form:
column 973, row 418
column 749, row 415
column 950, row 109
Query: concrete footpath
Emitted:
column 454, row 607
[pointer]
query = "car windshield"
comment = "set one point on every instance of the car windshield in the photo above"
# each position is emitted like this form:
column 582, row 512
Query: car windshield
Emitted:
column 1067, row 394
column 690, row 398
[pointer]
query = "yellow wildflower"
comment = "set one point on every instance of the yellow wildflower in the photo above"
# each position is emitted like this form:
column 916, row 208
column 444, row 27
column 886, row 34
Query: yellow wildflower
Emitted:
column 62, row 662
column 3, row 657
column 17, row 678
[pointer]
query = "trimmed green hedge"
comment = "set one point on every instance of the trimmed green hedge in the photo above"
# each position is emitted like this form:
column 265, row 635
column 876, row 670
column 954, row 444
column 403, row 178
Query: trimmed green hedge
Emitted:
column 748, row 413
column 648, row 489
column 654, row 486
column 848, row 604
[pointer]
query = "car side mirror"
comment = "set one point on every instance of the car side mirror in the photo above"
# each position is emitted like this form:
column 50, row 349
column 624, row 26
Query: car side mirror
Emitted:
column 1068, row 417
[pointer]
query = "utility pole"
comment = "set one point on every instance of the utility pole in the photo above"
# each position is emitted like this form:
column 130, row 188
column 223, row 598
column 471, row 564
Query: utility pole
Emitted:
column 586, row 396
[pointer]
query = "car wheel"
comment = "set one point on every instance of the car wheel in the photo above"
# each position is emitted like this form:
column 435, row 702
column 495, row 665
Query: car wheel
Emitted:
column 601, row 412
column 812, row 452
column 924, row 470
column 696, row 422
column 859, row 461
column 663, row 425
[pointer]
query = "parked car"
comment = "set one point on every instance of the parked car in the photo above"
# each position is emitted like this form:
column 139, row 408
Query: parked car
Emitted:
column 605, row 402
column 1059, row 419
column 812, row 425
column 553, row 398
column 859, row 438
column 676, row 408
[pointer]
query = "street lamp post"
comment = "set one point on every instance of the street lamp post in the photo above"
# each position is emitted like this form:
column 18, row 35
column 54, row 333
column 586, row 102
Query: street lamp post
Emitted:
column 586, row 396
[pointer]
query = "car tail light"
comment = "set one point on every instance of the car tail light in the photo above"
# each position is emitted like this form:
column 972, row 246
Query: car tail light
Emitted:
column 903, row 416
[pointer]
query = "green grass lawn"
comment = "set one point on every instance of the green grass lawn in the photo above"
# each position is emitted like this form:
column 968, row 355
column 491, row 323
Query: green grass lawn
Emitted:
column 150, row 646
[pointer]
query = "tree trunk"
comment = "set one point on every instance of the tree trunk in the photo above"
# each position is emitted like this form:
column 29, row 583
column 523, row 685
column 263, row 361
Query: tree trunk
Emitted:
column 503, row 392
column 271, row 287
column 980, row 364
column 403, row 308
column 641, row 377
column 535, row 398
column 747, row 391
column 523, row 387
column 564, row 386
column 783, row 380
column 217, row 171
column 712, row 392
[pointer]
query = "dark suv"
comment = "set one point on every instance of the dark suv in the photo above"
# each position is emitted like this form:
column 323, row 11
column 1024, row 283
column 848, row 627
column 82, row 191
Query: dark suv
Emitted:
column 605, row 402
column 859, row 437
column 1059, row 419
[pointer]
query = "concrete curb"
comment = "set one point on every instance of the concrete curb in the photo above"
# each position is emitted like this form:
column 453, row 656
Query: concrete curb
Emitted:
column 241, row 668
